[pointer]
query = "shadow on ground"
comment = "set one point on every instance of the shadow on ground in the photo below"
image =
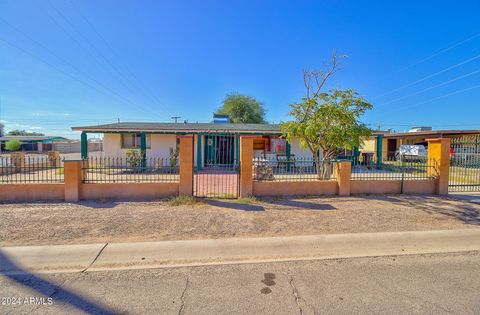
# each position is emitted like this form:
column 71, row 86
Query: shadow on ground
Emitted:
column 467, row 212
column 99, row 204
column 298, row 202
column 9, row 269
column 234, row 205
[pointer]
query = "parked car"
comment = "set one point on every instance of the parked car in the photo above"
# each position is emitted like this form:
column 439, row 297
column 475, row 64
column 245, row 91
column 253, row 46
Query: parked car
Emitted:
column 411, row 152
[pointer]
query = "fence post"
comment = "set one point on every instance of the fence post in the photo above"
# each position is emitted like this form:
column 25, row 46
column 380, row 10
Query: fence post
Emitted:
column 53, row 158
column 439, row 152
column 186, row 165
column 246, row 166
column 343, row 173
column 72, row 173
column 18, row 161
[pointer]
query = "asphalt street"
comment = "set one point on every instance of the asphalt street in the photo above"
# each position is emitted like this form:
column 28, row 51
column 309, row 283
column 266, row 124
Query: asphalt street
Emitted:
column 426, row 284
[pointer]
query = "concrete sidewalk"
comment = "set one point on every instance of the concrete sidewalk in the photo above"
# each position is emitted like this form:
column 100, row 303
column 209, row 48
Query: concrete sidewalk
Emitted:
column 116, row 256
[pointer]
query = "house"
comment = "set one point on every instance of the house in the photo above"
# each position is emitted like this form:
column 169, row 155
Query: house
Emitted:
column 32, row 143
column 214, row 143
column 388, row 143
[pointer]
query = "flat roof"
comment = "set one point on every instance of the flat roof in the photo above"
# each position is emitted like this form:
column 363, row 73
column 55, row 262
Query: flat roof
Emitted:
column 151, row 127
column 31, row 138
column 431, row 133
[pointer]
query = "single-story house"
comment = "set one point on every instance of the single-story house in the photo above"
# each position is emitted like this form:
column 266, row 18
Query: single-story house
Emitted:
column 32, row 143
column 388, row 143
column 215, row 143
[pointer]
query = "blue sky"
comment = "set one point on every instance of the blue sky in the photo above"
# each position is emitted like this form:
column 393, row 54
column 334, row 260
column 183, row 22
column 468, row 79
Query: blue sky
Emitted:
column 69, row 63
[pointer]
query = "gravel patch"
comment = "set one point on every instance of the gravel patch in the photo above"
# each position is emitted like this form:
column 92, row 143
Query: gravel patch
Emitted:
column 95, row 221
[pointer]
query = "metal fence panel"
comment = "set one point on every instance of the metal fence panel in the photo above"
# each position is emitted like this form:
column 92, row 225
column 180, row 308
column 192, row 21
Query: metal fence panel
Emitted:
column 31, row 169
column 394, row 169
column 293, row 169
column 124, row 170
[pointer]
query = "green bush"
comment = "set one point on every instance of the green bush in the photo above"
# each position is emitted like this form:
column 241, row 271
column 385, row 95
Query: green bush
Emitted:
column 173, row 156
column 13, row 145
column 134, row 158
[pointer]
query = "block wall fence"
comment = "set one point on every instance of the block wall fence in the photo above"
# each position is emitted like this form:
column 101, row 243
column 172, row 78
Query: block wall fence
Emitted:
column 74, row 189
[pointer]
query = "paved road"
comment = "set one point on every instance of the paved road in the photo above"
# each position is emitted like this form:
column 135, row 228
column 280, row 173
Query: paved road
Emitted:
column 424, row 284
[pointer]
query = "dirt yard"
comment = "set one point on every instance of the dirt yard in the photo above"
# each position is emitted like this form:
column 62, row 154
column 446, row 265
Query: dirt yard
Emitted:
column 90, row 222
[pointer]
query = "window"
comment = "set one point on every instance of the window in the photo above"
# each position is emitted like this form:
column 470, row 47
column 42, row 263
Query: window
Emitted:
column 132, row 141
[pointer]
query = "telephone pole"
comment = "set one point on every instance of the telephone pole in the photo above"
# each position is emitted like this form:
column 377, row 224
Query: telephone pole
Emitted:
column 176, row 118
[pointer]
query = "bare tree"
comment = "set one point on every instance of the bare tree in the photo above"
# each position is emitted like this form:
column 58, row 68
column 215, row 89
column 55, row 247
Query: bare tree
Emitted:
column 314, row 80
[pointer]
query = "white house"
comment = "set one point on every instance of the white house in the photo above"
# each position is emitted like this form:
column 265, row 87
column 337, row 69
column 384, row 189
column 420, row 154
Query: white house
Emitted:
column 214, row 143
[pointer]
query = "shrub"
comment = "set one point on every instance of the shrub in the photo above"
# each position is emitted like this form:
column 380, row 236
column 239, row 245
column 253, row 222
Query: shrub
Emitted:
column 173, row 156
column 134, row 158
column 13, row 145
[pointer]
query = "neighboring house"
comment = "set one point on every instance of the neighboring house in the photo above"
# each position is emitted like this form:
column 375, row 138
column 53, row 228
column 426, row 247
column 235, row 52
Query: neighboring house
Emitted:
column 391, row 141
column 32, row 143
column 214, row 143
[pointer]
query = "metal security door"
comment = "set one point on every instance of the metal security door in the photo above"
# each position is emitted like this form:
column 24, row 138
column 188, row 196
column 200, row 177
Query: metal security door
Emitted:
column 464, row 164
column 217, row 171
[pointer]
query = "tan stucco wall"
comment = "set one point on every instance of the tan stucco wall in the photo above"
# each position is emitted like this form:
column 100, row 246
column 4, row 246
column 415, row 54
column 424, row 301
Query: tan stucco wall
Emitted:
column 31, row 192
column 375, row 187
column 266, row 188
column 421, row 187
column 159, row 145
column 426, row 186
column 128, row 191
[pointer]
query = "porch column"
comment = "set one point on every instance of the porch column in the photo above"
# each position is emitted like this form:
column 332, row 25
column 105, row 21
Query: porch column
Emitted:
column 356, row 154
column 237, row 149
column 288, row 152
column 84, row 145
column 379, row 150
column 143, row 149
column 199, row 151
column 186, row 165
column 439, row 155
column 246, row 166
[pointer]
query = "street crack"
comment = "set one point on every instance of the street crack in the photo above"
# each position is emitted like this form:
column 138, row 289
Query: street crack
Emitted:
column 296, row 295
column 95, row 259
column 182, row 297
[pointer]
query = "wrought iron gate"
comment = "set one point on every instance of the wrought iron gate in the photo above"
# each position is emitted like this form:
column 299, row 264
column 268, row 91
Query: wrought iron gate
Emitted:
column 465, row 164
column 216, row 172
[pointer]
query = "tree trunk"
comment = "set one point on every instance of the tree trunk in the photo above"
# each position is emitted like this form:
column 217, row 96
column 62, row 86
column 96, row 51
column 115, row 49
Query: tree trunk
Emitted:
column 324, row 166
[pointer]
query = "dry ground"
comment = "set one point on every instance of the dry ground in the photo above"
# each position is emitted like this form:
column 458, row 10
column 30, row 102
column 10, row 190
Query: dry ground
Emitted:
column 89, row 222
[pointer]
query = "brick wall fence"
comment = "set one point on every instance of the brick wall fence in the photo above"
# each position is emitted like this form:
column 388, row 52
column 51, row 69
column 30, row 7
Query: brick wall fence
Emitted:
column 74, row 188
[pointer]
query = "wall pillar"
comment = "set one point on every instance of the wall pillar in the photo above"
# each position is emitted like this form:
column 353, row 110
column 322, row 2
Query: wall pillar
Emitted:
column 186, row 165
column 246, row 166
column 84, row 145
column 439, row 155
column 343, row 173
column 73, row 177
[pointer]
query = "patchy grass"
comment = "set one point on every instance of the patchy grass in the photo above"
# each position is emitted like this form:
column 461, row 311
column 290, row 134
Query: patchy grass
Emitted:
column 248, row 200
column 183, row 200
